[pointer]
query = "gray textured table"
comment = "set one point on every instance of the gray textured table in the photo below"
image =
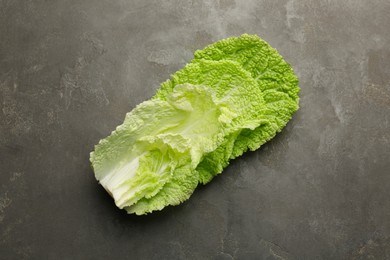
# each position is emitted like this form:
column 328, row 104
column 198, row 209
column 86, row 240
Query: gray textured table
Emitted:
column 70, row 70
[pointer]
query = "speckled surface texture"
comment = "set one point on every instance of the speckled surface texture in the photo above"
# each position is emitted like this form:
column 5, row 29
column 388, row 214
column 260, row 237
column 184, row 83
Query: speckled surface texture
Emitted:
column 70, row 70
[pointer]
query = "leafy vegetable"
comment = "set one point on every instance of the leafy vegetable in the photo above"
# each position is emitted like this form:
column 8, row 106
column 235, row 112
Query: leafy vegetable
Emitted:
column 235, row 95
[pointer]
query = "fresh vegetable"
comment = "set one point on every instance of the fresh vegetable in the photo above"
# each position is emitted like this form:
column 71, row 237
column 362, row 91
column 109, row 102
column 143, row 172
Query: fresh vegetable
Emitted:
column 235, row 95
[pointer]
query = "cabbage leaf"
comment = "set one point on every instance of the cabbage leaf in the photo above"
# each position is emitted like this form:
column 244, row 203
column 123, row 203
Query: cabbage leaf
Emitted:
column 234, row 96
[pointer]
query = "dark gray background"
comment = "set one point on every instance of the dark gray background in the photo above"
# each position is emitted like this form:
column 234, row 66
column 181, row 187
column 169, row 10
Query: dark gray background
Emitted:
column 70, row 70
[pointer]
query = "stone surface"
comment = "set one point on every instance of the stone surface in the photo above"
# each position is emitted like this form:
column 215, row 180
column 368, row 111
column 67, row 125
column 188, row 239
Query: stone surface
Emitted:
column 70, row 70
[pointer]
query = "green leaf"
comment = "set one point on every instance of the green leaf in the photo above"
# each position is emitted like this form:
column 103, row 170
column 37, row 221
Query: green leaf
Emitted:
column 235, row 95
column 157, row 137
